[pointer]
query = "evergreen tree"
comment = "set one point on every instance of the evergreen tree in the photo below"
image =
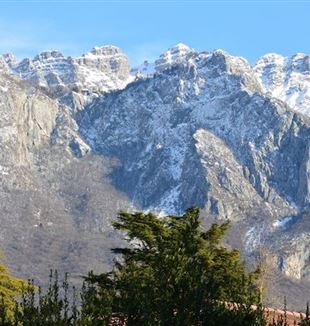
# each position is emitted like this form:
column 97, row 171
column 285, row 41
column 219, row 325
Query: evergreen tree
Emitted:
column 173, row 272
column 51, row 308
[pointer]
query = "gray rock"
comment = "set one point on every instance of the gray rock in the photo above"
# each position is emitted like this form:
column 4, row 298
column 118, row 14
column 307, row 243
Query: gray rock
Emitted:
column 81, row 138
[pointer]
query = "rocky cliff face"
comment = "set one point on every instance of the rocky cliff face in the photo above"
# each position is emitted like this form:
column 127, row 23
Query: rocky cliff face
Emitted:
column 84, row 137
column 55, row 214
column 182, row 118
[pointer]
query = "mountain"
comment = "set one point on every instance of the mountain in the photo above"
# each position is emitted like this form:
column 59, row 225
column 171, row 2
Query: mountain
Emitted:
column 287, row 79
column 84, row 137
column 55, row 214
column 99, row 71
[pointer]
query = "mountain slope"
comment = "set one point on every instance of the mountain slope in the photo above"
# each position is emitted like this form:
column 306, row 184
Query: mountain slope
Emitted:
column 84, row 137
column 203, row 131
column 158, row 121
column 54, row 213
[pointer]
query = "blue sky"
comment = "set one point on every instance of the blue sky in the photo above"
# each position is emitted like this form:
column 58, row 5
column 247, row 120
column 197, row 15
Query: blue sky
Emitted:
column 144, row 29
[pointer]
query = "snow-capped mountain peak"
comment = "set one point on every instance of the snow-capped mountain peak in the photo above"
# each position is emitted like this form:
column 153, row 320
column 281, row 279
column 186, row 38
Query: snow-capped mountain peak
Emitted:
column 175, row 55
column 286, row 78
column 178, row 54
column 101, row 70
column 106, row 68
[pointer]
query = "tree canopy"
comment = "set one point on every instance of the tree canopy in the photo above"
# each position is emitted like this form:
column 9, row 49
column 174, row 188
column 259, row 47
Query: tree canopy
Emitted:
column 173, row 270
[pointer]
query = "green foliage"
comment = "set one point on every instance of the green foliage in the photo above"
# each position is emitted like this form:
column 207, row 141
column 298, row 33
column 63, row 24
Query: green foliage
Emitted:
column 62, row 305
column 173, row 272
column 10, row 288
column 96, row 307
column 51, row 308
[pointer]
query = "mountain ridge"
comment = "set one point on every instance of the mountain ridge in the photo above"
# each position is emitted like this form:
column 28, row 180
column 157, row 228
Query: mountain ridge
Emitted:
column 191, row 129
